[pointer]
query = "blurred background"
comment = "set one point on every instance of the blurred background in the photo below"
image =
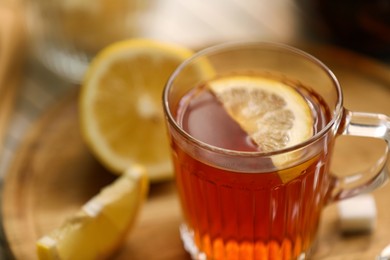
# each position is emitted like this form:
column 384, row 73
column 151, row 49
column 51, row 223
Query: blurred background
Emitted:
column 65, row 35
column 361, row 25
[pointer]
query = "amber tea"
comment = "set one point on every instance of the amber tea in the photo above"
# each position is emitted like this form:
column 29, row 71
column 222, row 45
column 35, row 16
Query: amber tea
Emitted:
column 234, row 211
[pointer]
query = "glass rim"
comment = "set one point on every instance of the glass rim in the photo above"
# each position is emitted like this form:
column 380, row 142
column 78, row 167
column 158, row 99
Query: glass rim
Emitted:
column 234, row 45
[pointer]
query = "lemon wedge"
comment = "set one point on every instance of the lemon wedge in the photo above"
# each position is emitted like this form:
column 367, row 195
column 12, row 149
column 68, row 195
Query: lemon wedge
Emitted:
column 122, row 119
column 272, row 113
column 102, row 224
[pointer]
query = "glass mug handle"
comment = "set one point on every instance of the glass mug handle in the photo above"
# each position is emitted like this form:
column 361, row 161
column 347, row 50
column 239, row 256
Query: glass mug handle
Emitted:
column 365, row 125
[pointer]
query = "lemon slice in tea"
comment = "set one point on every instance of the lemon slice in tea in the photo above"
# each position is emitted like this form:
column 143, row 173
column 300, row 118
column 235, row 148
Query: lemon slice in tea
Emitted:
column 272, row 113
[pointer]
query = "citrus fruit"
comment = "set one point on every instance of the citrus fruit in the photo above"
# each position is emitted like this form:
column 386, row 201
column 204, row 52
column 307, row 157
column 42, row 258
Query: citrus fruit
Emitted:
column 121, row 111
column 98, row 229
column 273, row 114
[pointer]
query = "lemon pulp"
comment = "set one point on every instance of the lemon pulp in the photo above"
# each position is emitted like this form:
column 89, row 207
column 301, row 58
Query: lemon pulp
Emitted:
column 273, row 114
column 121, row 113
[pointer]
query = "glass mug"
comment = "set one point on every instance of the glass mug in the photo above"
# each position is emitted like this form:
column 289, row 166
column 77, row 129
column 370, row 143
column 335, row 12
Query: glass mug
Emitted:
column 240, row 204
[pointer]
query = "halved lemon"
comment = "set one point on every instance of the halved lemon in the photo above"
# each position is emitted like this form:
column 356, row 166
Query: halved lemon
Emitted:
column 122, row 118
column 272, row 113
column 102, row 224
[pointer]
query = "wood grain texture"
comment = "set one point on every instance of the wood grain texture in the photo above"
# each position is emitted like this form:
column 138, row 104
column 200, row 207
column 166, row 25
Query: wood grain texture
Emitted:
column 12, row 40
column 53, row 174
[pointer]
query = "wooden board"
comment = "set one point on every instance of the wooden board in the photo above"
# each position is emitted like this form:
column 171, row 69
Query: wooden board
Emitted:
column 54, row 173
column 12, row 46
